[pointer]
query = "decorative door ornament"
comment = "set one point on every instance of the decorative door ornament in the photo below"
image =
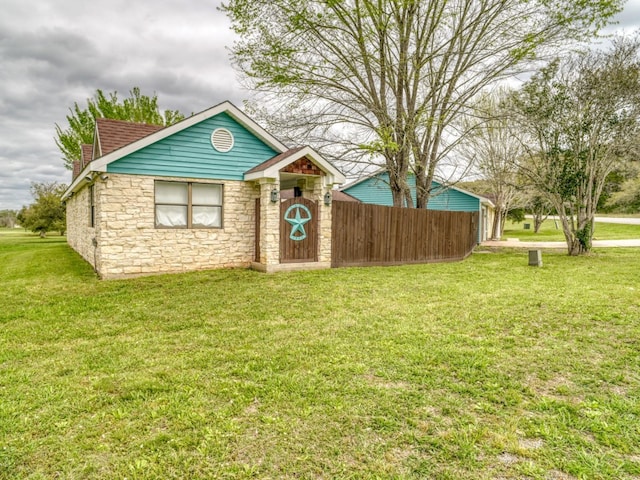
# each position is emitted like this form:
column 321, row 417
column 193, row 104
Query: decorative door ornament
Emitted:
column 297, row 216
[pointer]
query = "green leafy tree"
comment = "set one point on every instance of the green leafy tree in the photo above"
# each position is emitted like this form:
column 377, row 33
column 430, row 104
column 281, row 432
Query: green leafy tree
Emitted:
column 627, row 198
column 47, row 213
column 537, row 204
column 581, row 115
column 391, row 77
column 136, row 108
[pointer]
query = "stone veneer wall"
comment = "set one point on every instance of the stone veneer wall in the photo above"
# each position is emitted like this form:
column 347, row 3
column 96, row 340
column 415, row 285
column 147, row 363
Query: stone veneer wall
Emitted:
column 130, row 245
column 324, row 222
column 269, row 226
column 324, row 254
column 79, row 233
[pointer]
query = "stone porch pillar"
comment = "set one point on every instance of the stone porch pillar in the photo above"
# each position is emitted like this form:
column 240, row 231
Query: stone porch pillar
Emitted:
column 269, row 226
column 315, row 190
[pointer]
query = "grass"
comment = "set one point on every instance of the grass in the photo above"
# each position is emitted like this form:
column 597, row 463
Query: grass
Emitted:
column 481, row 369
column 549, row 233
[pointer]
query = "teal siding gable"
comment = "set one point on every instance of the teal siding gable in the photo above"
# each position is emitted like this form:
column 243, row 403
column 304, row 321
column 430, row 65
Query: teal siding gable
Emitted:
column 373, row 190
column 189, row 153
column 452, row 200
column 376, row 190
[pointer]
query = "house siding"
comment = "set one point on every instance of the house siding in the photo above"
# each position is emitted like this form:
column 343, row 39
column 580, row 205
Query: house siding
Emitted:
column 189, row 153
column 376, row 190
column 128, row 244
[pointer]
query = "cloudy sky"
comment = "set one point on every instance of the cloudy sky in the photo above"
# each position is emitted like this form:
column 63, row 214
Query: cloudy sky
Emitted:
column 55, row 53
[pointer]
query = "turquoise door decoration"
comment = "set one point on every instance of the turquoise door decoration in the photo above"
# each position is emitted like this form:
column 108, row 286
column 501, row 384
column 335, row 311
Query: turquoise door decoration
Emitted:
column 297, row 221
column 298, row 230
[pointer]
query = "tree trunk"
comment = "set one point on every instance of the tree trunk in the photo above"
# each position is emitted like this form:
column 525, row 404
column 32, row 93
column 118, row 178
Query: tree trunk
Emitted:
column 578, row 238
column 498, row 225
column 396, row 187
column 537, row 221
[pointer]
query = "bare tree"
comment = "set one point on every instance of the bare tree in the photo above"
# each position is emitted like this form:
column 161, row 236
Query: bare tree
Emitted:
column 493, row 147
column 389, row 77
column 582, row 117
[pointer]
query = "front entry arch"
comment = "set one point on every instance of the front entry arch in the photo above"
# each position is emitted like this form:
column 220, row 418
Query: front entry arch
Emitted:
column 298, row 230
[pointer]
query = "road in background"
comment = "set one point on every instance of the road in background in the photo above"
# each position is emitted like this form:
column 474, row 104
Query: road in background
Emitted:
column 622, row 220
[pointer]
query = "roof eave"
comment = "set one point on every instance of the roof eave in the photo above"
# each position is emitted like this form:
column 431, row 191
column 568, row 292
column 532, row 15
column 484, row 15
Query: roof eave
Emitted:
column 366, row 177
column 224, row 107
column 81, row 180
column 335, row 176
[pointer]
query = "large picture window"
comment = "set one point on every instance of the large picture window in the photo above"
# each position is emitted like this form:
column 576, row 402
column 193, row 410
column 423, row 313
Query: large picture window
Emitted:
column 188, row 205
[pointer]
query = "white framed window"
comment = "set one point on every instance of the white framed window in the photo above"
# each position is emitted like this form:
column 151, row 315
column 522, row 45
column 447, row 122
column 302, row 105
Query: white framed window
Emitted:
column 188, row 205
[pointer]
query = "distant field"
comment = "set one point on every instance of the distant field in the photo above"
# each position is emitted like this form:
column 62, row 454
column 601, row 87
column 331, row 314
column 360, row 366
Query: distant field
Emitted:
column 12, row 231
column 482, row 369
column 549, row 232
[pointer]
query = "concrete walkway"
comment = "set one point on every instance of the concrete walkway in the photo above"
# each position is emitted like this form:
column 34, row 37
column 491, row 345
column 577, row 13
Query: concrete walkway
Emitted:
column 515, row 243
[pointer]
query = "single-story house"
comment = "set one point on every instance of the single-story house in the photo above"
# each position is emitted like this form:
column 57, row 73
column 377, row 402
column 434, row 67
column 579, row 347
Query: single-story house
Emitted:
column 375, row 189
column 200, row 194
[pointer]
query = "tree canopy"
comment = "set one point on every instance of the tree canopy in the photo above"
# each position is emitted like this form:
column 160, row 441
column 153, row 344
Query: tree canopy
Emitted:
column 580, row 117
column 136, row 108
column 388, row 78
column 47, row 213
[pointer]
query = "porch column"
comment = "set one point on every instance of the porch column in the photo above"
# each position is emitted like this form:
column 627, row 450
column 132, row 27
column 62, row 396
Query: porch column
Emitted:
column 316, row 191
column 269, row 224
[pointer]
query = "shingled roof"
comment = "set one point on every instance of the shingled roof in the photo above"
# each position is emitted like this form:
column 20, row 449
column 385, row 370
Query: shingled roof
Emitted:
column 87, row 154
column 274, row 160
column 115, row 134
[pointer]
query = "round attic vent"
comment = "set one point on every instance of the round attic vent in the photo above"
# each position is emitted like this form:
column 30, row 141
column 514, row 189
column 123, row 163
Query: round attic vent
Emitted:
column 222, row 140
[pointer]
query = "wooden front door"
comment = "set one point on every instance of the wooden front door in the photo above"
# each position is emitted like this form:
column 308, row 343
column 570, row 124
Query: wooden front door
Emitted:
column 298, row 230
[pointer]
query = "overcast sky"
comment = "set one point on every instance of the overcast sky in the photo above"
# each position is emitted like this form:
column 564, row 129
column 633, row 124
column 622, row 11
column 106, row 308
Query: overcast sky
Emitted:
column 55, row 53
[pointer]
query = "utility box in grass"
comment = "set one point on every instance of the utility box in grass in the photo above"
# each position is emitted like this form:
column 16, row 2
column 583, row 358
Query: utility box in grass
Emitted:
column 535, row 258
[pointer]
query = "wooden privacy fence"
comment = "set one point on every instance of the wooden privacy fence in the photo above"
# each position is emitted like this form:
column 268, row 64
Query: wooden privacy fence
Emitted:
column 365, row 234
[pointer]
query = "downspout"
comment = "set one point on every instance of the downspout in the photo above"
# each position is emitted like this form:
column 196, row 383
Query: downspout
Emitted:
column 94, row 242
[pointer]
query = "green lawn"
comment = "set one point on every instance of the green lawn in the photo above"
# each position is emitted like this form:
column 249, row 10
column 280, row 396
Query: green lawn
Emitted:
column 482, row 369
column 549, row 233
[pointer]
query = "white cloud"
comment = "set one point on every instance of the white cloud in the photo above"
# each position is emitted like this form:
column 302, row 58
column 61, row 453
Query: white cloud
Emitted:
column 56, row 53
